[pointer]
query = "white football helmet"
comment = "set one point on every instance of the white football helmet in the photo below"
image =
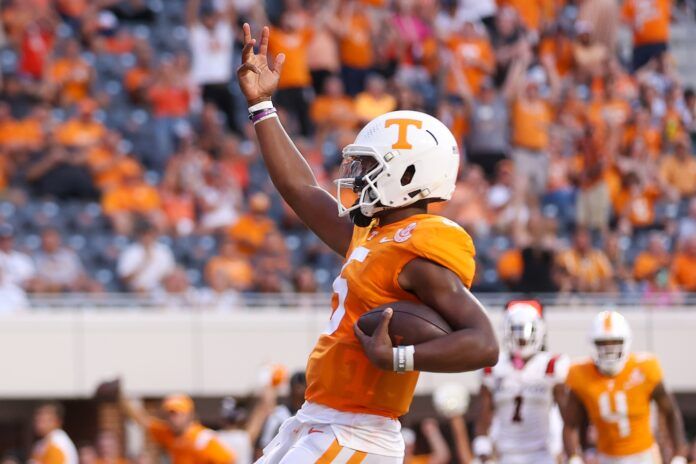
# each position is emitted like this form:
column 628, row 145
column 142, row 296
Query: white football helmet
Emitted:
column 398, row 159
column 611, row 342
column 524, row 329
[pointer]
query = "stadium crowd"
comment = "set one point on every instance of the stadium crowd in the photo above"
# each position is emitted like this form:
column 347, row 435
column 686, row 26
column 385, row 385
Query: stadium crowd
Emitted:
column 127, row 162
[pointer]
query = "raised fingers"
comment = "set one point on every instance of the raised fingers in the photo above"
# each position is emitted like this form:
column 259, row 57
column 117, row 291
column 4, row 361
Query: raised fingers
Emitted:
column 263, row 48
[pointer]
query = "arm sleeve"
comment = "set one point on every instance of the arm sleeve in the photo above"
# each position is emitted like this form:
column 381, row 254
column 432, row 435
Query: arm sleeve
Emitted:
column 652, row 371
column 212, row 451
column 53, row 455
column 158, row 430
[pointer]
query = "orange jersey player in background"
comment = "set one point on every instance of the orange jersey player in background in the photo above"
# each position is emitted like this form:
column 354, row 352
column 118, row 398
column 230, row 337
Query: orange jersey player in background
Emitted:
column 358, row 385
column 184, row 439
column 614, row 391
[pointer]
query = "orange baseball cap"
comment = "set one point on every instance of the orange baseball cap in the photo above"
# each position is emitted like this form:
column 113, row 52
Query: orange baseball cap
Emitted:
column 178, row 403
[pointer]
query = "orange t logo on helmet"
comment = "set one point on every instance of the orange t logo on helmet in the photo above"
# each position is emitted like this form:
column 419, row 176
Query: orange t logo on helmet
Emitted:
column 402, row 142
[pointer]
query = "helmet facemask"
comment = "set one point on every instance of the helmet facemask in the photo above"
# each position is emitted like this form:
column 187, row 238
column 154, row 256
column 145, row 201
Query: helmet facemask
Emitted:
column 524, row 339
column 610, row 355
column 361, row 169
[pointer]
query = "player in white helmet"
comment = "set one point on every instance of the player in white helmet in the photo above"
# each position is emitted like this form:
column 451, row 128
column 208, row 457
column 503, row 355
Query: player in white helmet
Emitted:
column 358, row 385
column 519, row 393
column 613, row 391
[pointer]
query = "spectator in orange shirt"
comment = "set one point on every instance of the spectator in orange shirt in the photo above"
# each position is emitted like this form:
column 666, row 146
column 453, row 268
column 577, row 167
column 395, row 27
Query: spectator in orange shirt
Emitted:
column 531, row 118
column 179, row 208
column 355, row 34
column 587, row 268
column 653, row 260
column 375, row 100
column 649, row 20
column 137, row 78
column 170, row 97
column 333, row 109
column 109, row 164
column 635, row 203
column 472, row 59
column 291, row 38
column 229, row 270
column 70, row 76
column 54, row 445
column 682, row 273
column 184, row 439
column 130, row 200
column 251, row 229
column 83, row 130
column 678, row 170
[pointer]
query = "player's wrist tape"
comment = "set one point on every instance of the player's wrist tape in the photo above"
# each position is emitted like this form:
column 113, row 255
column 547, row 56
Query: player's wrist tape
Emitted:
column 262, row 115
column 575, row 459
column 678, row 460
column 262, row 111
column 403, row 358
column 482, row 446
column 262, row 105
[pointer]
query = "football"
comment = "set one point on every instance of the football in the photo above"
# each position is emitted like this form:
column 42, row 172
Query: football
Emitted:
column 411, row 324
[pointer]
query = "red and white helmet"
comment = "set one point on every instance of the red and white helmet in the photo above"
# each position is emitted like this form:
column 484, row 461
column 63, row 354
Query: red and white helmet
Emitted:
column 398, row 159
column 611, row 342
column 524, row 329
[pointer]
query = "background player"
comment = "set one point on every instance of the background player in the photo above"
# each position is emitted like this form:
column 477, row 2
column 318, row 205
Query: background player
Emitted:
column 54, row 446
column 185, row 439
column 614, row 391
column 398, row 164
column 518, row 393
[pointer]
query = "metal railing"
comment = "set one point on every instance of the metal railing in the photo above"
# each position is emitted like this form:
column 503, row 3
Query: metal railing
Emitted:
column 321, row 301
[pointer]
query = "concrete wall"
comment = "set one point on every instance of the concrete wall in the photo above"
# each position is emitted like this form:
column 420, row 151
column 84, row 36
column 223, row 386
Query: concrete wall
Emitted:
column 208, row 353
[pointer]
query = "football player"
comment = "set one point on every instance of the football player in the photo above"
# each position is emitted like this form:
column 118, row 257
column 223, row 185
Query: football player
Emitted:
column 518, row 394
column 614, row 391
column 358, row 385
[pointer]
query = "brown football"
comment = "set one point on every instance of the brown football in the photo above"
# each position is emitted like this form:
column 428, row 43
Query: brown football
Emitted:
column 412, row 323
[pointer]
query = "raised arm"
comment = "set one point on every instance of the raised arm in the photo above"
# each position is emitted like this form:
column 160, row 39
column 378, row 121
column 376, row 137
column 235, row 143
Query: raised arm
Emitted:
column 289, row 171
column 134, row 412
column 192, row 10
column 675, row 424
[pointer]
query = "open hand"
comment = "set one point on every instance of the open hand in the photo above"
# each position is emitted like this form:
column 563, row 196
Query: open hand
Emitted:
column 378, row 347
column 256, row 79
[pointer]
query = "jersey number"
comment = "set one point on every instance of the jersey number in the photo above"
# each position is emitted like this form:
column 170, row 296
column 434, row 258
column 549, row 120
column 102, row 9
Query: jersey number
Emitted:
column 340, row 287
column 517, row 417
column 617, row 415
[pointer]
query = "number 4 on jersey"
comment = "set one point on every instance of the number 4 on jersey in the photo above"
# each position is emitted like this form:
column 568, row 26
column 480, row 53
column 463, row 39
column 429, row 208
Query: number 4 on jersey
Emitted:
column 617, row 415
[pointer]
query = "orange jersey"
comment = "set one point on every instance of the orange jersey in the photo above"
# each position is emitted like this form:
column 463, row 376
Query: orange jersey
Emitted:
column 197, row 445
column 649, row 19
column 54, row 448
column 619, row 406
column 339, row 375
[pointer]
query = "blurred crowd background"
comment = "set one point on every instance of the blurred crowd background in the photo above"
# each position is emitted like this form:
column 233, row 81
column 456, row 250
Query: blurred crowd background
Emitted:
column 127, row 162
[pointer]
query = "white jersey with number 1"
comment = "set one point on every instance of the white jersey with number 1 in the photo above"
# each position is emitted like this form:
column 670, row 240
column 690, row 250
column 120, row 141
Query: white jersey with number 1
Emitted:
column 523, row 401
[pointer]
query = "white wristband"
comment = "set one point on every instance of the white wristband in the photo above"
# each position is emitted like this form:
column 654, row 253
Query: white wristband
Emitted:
column 482, row 446
column 263, row 105
column 575, row 459
column 268, row 116
column 678, row 460
column 403, row 358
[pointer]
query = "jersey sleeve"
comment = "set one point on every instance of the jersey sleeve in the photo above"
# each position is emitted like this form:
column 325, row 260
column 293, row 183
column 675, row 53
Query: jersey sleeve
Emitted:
column 488, row 378
column 211, row 450
column 558, row 368
column 652, row 370
column 53, row 455
column 574, row 378
column 445, row 243
column 159, row 431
